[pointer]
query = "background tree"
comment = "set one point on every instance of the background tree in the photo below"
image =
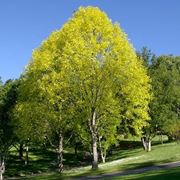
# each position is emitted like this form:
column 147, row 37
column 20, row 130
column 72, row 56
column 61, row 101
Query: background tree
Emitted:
column 165, row 73
column 8, row 96
column 146, row 56
column 150, row 131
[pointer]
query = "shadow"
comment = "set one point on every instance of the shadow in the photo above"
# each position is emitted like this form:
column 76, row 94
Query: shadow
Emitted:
column 43, row 161
column 119, row 153
column 71, row 160
column 40, row 160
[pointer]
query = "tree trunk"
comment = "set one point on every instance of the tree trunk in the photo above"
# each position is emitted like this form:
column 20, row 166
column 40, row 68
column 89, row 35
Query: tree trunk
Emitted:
column 103, row 153
column 2, row 167
column 149, row 145
column 94, row 141
column 60, row 153
column 103, row 156
column 95, row 153
column 21, row 151
column 144, row 143
column 27, row 155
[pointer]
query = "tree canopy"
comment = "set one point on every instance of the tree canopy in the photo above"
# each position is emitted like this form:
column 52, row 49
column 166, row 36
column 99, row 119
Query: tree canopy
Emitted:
column 165, row 73
column 85, row 76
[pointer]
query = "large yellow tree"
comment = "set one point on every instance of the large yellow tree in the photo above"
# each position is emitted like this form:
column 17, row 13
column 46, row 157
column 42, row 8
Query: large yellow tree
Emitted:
column 87, row 76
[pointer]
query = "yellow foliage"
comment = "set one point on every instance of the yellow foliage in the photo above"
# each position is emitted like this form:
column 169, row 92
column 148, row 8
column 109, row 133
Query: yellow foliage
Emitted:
column 89, row 63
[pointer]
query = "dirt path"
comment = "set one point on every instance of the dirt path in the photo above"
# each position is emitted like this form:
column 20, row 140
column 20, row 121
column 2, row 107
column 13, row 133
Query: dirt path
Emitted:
column 134, row 171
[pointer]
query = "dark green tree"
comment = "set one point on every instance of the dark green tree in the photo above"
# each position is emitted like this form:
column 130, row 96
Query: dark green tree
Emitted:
column 165, row 107
column 8, row 96
column 146, row 56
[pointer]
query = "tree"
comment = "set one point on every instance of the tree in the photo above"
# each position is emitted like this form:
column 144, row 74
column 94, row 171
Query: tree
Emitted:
column 85, row 77
column 146, row 56
column 44, row 116
column 45, row 105
column 150, row 131
column 165, row 73
column 110, row 83
column 2, row 166
column 8, row 96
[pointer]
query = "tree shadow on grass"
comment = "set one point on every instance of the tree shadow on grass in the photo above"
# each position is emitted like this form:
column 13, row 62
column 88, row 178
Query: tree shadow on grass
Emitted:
column 42, row 161
column 39, row 161
column 123, row 152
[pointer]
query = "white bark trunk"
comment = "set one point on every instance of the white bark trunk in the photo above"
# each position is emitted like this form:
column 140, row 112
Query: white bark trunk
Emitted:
column 144, row 143
column 95, row 155
column 149, row 146
column 60, row 153
column 103, row 153
column 103, row 158
column 2, row 168
column 94, row 141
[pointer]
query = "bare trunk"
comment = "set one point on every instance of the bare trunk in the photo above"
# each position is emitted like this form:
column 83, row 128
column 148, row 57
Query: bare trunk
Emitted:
column 103, row 153
column 2, row 167
column 149, row 145
column 60, row 153
column 94, row 141
column 144, row 143
column 103, row 156
column 27, row 155
column 95, row 153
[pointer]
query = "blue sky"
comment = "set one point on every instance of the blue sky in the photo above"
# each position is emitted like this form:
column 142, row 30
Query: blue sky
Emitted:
column 24, row 24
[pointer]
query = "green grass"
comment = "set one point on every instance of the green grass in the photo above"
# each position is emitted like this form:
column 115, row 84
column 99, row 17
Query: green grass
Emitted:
column 134, row 159
column 129, row 155
column 165, row 174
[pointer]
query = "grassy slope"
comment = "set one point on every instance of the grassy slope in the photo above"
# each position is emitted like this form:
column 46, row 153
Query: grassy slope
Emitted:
column 166, row 174
column 138, row 158
column 129, row 159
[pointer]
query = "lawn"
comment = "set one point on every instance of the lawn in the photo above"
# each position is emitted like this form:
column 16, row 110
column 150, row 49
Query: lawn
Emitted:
column 165, row 174
column 129, row 155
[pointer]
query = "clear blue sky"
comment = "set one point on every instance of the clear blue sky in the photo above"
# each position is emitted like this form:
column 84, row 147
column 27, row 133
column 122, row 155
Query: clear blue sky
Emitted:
column 25, row 23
